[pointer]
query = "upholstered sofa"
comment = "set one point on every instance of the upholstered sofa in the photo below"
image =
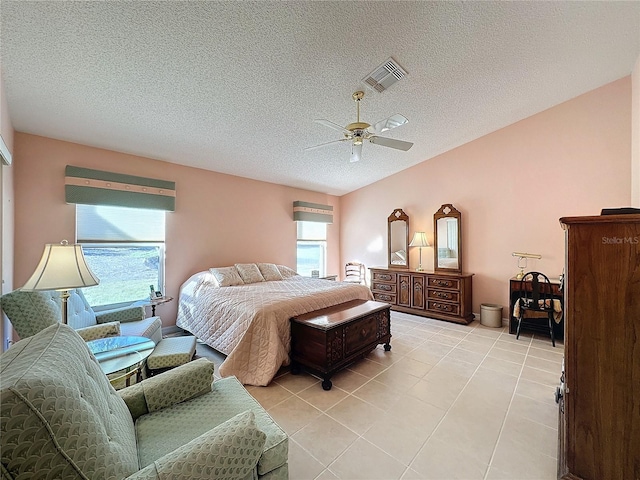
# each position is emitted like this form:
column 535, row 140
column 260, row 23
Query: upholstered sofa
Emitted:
column 30, row 312
column 61, row 419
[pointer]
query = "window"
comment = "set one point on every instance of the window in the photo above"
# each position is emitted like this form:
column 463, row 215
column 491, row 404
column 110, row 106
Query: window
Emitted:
column 124, row 247
column 312, row 248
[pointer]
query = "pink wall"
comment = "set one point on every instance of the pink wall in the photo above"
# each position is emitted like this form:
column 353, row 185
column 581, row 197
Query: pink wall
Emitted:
column 219, row 219
column 511, row 186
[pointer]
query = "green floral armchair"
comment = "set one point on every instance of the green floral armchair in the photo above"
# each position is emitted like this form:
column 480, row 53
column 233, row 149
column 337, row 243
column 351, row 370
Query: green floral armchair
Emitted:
column 31, row 312
column 61, row 419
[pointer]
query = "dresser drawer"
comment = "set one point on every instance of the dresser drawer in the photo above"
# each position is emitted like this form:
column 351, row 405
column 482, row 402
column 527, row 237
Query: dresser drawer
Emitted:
column 444, row 282
column 360, row 334
column 383, row 287
column 384, row 277
column 443, row 307
column 433, row 294
column 384, row 297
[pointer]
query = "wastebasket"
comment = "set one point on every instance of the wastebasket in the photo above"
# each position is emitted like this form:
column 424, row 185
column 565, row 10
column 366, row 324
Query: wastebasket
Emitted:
column 490, row 315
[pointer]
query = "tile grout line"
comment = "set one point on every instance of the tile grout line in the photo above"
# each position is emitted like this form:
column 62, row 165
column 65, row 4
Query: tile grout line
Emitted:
column 443, row 329
column 359, row 436
column 504, row 420
column 452, row 403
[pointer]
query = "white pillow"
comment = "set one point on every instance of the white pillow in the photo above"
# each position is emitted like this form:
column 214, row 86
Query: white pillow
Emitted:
column 226, row 276
column 286, row 272
column 270, row 271
column 249, row 272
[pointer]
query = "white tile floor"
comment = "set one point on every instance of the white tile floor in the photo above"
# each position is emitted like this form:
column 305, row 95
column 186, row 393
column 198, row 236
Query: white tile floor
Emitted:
column 447, row 402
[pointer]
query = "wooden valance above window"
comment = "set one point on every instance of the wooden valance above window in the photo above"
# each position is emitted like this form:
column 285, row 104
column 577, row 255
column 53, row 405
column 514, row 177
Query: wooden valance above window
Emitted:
column 312, row 212
column 95, row 187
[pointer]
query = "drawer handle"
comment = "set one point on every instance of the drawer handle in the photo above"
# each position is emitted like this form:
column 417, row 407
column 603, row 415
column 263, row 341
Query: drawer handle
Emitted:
column 441, row 283
column 384, row 277
column 444, row 295
column 442, row 306
column 384, row 297
column 383, row 287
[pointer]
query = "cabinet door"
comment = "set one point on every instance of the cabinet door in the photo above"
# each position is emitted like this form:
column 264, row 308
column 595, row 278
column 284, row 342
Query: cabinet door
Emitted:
column 417, row 292
column 404, row 289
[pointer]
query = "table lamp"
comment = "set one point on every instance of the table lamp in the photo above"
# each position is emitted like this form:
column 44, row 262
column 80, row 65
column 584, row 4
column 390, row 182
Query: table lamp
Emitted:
column 419, row 240
column 522, row 261
column 62, row 267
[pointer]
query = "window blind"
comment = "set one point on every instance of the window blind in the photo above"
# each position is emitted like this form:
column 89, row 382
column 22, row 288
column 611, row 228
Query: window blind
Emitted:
column 101, row 223
column 312, row 231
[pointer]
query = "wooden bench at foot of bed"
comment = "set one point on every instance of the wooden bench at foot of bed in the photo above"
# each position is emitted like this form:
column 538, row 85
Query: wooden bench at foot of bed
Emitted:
column 327, row 340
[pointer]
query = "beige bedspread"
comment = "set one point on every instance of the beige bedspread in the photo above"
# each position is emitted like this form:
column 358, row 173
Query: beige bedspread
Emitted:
column 250, row 323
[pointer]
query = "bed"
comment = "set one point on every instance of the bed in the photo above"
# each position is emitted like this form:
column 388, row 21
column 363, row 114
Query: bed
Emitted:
column 249, row 322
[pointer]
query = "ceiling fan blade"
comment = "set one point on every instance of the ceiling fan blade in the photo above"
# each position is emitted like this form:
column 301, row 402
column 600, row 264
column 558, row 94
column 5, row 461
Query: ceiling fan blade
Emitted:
column 391, row 142
column 356, row 152
column 393, row 121
column 334, row 126
column 327, row 143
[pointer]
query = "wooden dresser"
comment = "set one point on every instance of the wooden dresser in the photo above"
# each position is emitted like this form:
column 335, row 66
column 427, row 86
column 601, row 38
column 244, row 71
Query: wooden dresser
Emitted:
column 599, row 401
column 445, row 296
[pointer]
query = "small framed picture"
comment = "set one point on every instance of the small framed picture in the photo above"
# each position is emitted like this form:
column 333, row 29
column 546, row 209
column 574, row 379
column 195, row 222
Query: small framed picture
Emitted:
column 158, row 294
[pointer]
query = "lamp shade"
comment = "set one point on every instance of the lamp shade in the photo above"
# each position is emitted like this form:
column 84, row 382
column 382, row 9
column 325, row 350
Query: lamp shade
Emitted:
column 61, row 267
column 419, row 240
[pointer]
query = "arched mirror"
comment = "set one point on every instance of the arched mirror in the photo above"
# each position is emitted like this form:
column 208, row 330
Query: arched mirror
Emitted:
column 398, row 230
column 447, row 240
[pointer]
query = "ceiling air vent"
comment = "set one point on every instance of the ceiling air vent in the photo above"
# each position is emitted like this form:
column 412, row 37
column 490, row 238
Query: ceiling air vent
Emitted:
column 384, row 76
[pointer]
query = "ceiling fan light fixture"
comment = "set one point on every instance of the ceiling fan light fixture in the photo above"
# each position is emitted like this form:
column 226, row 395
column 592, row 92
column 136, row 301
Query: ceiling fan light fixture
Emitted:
column 356, row 151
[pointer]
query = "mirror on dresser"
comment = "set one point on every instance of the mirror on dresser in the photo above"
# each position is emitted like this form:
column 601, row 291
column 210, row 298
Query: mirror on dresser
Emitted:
column 447, row 239
column 398, row 239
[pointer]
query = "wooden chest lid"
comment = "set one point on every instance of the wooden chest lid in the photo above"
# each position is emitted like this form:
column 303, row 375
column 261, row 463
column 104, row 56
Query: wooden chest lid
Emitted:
column 330, row 317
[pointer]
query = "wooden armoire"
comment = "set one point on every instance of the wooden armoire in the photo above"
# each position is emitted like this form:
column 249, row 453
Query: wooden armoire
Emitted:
column 599, row 427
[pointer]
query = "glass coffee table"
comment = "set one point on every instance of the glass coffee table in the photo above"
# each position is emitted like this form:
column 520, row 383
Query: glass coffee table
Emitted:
column 124, row 353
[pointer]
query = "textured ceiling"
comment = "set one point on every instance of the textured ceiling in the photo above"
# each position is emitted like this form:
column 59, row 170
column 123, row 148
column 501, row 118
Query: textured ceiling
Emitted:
column 234, row 87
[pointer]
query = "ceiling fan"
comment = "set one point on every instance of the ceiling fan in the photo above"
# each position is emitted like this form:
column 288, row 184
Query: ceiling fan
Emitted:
column 358, row 132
